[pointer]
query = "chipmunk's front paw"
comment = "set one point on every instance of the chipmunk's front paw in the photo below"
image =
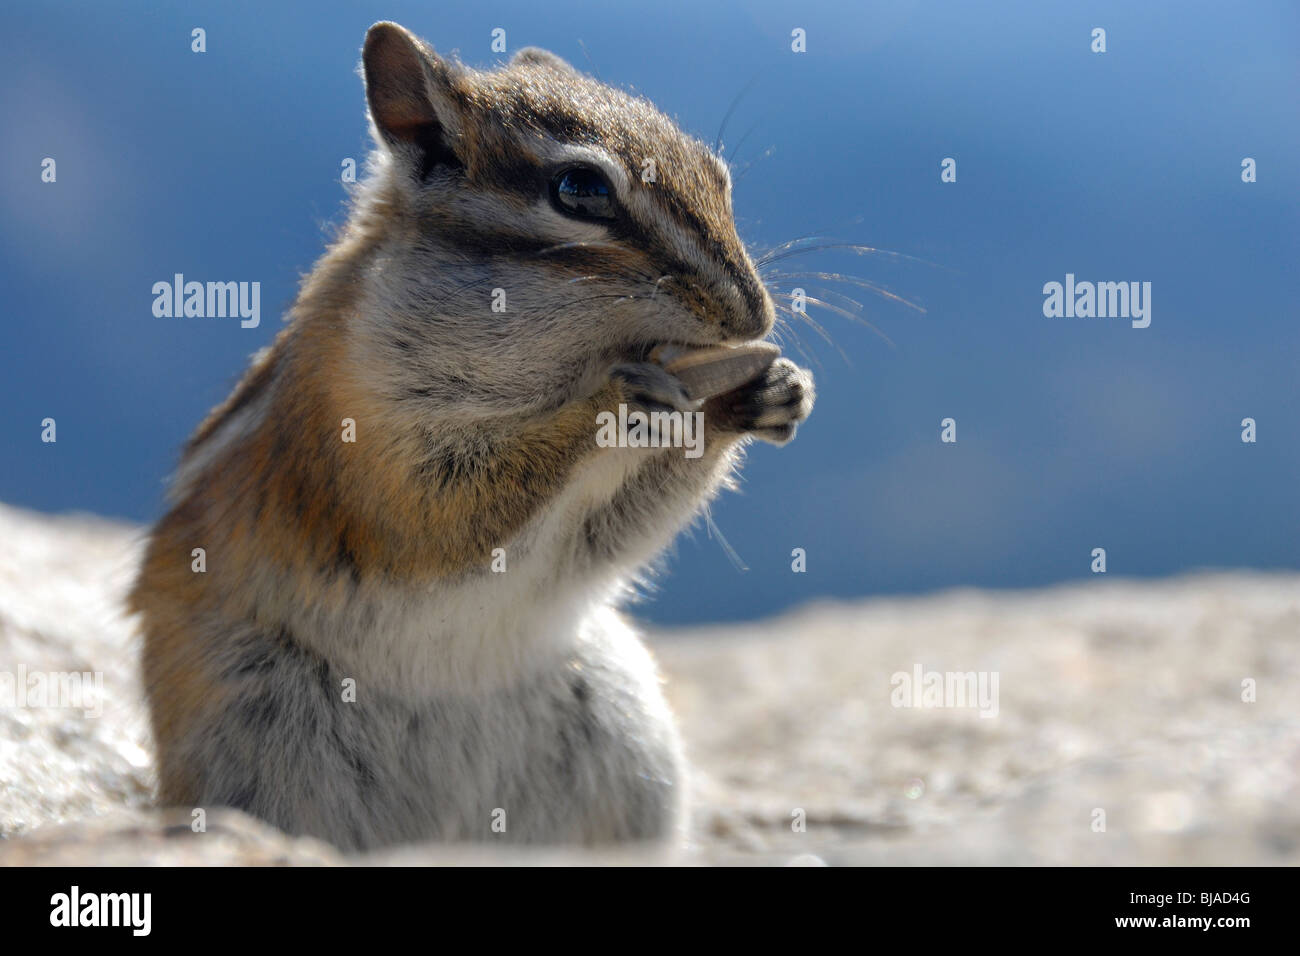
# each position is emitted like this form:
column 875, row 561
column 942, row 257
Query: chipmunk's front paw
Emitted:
column 649, row 387
column 769, row 407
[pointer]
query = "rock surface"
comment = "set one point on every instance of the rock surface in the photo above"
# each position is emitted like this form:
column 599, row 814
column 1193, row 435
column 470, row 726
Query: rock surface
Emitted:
column 1114, row 697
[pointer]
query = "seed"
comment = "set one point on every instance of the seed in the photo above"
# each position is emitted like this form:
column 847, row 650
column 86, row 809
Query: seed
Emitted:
column 716, row 370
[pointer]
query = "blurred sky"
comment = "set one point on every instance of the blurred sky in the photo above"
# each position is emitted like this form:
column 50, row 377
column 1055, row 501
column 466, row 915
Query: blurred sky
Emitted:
column 1072, row 433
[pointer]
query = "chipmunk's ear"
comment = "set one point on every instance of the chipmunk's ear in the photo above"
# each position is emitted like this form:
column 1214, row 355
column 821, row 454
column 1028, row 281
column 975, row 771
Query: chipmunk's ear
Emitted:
column 408, row 89
column 536, row 56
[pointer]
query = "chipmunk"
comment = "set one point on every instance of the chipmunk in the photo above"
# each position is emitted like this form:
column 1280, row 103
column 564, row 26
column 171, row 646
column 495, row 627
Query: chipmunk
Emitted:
column 520, row 705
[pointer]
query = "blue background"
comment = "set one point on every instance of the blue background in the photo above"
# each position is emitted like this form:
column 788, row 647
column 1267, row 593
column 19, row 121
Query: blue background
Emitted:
column 1072, row 433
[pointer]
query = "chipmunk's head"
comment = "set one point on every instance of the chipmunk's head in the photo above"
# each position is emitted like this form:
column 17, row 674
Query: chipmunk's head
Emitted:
column 534, row 225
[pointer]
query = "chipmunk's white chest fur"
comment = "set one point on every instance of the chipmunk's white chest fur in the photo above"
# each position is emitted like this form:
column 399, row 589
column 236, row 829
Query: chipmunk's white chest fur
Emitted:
column 492, row 629
column 580, row 751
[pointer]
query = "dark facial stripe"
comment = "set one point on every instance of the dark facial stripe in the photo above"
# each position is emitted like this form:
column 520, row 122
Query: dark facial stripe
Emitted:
column 738, row 270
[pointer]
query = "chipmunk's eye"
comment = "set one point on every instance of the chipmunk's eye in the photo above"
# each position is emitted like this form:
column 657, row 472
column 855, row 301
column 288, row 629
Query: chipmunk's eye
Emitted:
column 583, row 192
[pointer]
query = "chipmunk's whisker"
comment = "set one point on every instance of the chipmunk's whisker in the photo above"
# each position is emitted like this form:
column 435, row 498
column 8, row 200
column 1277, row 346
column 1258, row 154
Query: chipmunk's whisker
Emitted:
column 576, row 302
column 852, row 316
column 722, row 127
column 790, row 244
column 880, row 290
column 804, row 317
column 812, row 323
column 804, row 245
column 716, row 532
column 843, row 301
column 781, row 326
column 741, row 142
column 737, row 177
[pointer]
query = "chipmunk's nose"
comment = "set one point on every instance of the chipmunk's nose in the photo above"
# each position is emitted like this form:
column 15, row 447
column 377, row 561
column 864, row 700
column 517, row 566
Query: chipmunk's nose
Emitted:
column 750, row 313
